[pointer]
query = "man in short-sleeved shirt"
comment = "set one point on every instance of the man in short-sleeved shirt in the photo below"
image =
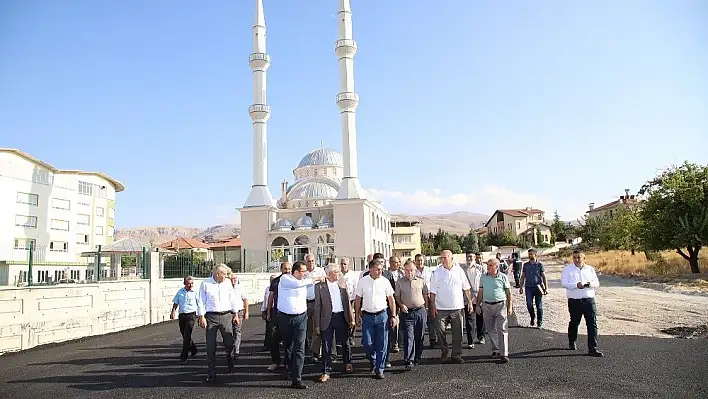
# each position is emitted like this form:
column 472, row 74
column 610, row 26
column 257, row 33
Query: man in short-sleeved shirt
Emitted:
column 271, row 317
column 185, row 301
column 495, row 296
column 533, row 281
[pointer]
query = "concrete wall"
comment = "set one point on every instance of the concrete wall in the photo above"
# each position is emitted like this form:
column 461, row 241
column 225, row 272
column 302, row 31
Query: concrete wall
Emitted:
column 42, row 315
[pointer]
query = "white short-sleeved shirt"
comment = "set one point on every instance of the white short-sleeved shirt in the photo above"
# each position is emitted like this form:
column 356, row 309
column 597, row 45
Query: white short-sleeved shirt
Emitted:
column 240, row 296
column 316, row 272
column 374, row 293
column 447, row 285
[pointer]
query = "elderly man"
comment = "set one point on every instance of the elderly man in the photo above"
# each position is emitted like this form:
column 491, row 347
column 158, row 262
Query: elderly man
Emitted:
column 394, row 338
column 241, row 312
column 351, row 277
column 217, row 309
column 333, row 315
column 580, row 282
column 186, row 301
column 314, row 341
column 292, row 318
column 272, row 317
column 448, row 287
column 412, row 299
column 473, row 276
column 425, row 272
column 495, row 297
column 533, row 280
column 374, row 302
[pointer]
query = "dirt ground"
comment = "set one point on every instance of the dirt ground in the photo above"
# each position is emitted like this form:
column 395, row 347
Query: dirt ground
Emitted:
column 624, row 307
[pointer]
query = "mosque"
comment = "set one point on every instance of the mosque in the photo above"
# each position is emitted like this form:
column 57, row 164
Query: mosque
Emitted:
column 325, row 211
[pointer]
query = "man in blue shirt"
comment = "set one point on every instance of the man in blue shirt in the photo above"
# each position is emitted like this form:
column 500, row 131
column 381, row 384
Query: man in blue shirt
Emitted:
column 186, row 302
column 533, row 280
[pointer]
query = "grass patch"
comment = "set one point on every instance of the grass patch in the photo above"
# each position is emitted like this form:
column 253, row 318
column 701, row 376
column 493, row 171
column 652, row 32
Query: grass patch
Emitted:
column 667, row 266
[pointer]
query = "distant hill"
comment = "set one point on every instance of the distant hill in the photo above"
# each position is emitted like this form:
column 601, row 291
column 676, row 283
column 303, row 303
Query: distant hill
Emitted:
column 457, row 222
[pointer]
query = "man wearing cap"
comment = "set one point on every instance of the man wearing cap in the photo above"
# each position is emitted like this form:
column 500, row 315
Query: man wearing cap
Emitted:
column 533, row 281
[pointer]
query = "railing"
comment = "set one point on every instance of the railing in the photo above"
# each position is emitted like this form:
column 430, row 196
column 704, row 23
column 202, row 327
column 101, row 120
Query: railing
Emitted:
column 259, row 108
column 345, row 43
column 259, row 57
column 347, row 96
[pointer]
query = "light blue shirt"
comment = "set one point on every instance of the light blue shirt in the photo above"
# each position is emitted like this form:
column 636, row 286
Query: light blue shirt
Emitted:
column 186, row 300
column 494, row 287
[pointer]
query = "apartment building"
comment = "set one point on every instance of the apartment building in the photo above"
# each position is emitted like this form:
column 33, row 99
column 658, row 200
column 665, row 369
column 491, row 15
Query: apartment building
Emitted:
column 60, row 213
column 624, row 201
column 406, row 238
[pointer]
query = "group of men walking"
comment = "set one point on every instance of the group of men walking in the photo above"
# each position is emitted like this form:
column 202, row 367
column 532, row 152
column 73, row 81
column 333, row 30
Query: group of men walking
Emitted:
column 314, row 311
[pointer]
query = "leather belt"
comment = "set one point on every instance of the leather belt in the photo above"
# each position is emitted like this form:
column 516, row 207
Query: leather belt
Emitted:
column 374, row 313
column 493, row 303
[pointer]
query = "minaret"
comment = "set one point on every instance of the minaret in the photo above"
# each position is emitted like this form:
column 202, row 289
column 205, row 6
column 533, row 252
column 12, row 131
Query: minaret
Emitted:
column 260, row 113
column 347, row 101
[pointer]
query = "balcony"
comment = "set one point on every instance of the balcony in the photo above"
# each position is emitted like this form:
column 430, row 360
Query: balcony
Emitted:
column 347, row 101
column 259, row 61
column 259, row 112
column 345, row 48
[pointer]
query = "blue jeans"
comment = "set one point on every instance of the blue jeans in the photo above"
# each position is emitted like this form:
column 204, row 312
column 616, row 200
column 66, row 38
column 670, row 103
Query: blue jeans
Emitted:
column 533, row 294
column 374, row 339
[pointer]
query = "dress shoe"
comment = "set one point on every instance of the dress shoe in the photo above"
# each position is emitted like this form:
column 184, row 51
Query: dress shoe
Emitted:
column 379, row 376
column 504, row 359
column 211, row 378
column 298, row 385
column 595, row 354
column 571, row 346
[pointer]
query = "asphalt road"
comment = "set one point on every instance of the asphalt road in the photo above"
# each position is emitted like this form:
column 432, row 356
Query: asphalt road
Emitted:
column 143, row 363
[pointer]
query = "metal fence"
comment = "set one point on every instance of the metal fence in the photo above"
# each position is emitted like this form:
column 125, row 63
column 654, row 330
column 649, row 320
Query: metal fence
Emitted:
column 29, row 265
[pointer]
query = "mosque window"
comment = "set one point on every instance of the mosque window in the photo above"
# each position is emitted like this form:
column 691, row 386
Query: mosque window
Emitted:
column 314, row 172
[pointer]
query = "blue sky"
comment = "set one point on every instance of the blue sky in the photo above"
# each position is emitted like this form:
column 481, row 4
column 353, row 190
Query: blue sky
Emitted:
column 465, row 105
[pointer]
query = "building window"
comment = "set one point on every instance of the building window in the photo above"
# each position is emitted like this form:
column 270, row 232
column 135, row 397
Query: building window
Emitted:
column 27, row 198
column 58, row 246
column 99, row 230
column 58, row 203
column 25, row 243
column 102, row 192
column 59, row 275
column 85, row 188
column 545, row 237
column 22, row 277
column 112, row 213
column 61, row 225
column 75, row 274
column 406, row 253
column 99, row 211
column 402, row 239
column 518, row 225
column 89, row 275
column 82, row 239
column 42, row 276
column 111, row 231
column 26, row 221
column 83, row 220
column 42, row 177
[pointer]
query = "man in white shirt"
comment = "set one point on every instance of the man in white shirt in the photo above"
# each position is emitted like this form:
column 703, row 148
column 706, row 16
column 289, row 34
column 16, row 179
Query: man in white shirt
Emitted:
column 473, row 276
column 264, row 314
column 333, row 315
column 580, row 281
column 351, row 277
column 479, row 313
column 448, row 289
column 374, row 295
column 395, row 339
column 217, row 309
column 425, row 272
column 314, row 342
column 241, row 312
column 292, row 318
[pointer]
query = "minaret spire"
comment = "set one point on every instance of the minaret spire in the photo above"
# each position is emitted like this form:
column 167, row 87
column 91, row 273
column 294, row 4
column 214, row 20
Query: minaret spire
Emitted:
column 347, row 101
column 260, row 113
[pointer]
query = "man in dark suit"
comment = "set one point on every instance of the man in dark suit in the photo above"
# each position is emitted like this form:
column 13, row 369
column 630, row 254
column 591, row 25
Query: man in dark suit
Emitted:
column 333, row 315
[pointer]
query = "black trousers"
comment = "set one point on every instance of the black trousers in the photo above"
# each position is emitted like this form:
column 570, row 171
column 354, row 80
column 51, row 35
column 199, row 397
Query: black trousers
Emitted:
column 480, row 324
column 186, row 326
column 579, row 308
column 275, row 339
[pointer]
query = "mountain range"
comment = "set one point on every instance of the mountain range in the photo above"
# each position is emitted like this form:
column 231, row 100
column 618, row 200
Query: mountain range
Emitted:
column 456, row 222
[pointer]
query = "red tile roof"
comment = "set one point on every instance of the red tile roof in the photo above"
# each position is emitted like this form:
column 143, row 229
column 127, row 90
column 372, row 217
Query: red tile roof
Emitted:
column 613, row 204
column 184, row 243
column 232, row 242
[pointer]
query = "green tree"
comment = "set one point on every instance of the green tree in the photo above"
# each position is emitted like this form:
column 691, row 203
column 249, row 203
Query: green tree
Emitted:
column 428, row 249
column 622, row 230
column 470, row 242
column 675, row 213
column 558, row 229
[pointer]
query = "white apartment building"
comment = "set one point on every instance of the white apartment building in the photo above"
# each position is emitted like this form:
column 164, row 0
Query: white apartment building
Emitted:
column 61, row 213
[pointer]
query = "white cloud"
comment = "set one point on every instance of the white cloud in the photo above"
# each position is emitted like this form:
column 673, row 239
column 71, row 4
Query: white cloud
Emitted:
column 486, row 200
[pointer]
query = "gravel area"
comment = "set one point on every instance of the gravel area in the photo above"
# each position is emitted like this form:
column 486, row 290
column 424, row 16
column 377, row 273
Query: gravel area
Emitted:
column 624, row 307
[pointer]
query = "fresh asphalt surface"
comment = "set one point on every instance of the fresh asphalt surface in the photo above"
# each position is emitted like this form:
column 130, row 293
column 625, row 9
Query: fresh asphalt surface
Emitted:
column 143, row 363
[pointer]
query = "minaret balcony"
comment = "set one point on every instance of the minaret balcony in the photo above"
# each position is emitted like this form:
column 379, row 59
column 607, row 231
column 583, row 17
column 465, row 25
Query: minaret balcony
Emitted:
column 259, row 112
column 345, row 48
column 259, row 61
column 347, row 101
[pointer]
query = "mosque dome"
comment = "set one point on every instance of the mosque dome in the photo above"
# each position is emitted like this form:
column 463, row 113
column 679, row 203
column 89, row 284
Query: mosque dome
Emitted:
column 313, row 189
column 325, row 222
column 283, row 224
column 322, row 156
column 305, row 222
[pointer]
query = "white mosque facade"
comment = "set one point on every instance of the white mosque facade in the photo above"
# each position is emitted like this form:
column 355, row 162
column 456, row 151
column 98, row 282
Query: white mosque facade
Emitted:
column 325, row 211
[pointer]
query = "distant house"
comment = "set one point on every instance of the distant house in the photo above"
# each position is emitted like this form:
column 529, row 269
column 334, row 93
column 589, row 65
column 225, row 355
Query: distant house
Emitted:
column 227, row 252
column 195, row 247
column 527, row 224
column 627, row 200
column 406, row 238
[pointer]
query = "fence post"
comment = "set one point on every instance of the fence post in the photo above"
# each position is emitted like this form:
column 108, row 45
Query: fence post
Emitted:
column 143, row 264
column 30, row 261
column 98, row 264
